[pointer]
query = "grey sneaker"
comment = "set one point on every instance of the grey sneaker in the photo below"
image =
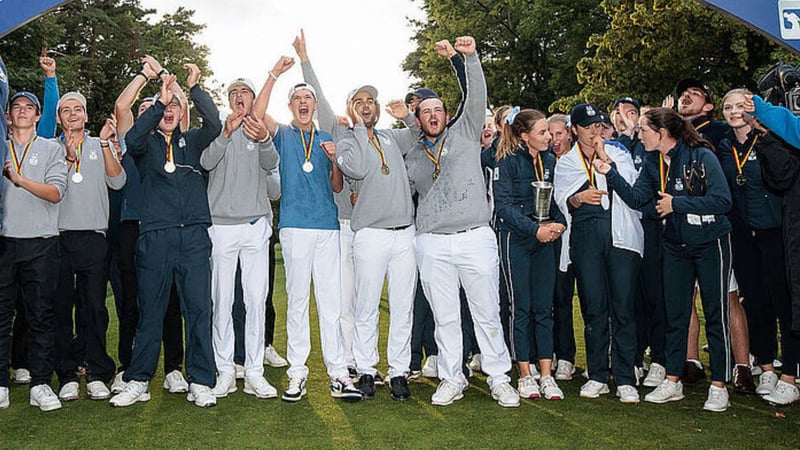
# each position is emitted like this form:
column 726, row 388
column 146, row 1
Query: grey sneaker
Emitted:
column 655, row 376
column 22, row 376
column 118, row 385
column 430, row 369
column 594, row 389
column 565, row 370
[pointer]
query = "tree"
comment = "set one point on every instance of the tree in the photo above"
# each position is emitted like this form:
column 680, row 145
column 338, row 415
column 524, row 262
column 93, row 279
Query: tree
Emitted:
column 652, row 44
column 528, row 48
column 96, row 44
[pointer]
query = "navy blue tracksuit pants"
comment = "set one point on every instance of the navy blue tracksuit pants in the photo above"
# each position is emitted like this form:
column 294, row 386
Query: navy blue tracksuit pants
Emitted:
column 650, row 312
column 710, row 264
column 563, row 327
column 183, row 255
column 530, row 276
column 606, row 286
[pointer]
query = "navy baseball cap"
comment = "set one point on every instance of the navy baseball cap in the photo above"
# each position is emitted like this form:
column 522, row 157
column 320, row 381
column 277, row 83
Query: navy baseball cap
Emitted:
column 423, row 93
column 628, row 100
column 585, row 114
column 687, row 83
column 31, row 97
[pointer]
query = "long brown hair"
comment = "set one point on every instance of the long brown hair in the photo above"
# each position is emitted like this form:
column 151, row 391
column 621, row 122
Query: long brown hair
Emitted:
column 510, row 137
column 676, row 126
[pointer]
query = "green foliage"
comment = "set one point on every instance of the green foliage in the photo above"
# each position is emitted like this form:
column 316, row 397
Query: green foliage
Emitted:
column 528, row 47
column 98, row 43
column 652, row 44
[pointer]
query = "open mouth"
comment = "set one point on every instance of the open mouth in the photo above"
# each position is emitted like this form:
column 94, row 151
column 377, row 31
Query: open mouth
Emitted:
column 239, row 104
column 169, row 119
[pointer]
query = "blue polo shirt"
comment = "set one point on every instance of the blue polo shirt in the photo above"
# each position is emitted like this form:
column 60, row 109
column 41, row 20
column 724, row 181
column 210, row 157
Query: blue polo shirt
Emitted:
column 306, row 197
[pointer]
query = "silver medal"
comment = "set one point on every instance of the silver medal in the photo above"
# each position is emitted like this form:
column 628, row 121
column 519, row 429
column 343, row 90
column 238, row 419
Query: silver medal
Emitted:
column 169, row 167
column 308, row 167
column 77, row 177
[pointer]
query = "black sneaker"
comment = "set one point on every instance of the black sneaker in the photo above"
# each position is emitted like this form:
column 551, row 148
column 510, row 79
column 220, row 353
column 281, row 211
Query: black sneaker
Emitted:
column 399, row 388
column 344, row 389
column 693, row 373
column 367, row 386
column 353, row 374
column 379, row 379
column 743, row 380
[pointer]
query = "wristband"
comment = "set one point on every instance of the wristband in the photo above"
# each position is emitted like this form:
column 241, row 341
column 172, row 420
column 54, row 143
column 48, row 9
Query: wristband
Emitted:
column 143, row 76
column 103, row 142
column 70, row 160
column 273, row 76
column 162, row 72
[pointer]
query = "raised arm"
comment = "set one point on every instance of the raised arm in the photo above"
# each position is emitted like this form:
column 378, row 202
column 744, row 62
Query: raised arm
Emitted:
column 325, row 115
column 115, row 175
column 262, row 100
column 778, row 119
column 122, row 107
column 160, row 73
column 475, row 97
column 136, row 137
column 47, row 123
column 209, row 114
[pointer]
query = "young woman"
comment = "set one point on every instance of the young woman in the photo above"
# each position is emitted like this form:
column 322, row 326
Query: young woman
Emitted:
column 757, row 244
column 604, row 242
column 692, row 197
column 527, row 250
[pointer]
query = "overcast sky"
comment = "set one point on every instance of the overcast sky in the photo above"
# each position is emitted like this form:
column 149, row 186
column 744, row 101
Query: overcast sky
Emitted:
column 350, row 43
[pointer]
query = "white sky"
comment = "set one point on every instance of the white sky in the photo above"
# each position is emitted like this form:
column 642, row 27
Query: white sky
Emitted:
column 350, row 43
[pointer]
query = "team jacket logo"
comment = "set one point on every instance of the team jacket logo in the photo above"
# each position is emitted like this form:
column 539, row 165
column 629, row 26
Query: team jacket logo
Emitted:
column 678, row 184
column 93, row 155
column 182, row 142
column 34, row 161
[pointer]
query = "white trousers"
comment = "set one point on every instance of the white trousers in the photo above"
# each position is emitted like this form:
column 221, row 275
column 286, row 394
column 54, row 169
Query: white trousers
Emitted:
column 469, row 257
column 306, row 252
column 348, row 277
column 380, row 253
column 247, row 244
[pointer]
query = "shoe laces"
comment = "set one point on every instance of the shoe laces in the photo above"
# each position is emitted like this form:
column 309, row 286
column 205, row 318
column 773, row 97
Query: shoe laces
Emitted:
column 548, row 382
column 295, row 383
column 448, row 387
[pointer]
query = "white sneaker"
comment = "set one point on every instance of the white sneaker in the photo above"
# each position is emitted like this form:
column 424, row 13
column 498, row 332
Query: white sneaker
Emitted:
column 414, row 374
column 594, row 389
column 528, row 387
column 430, row 369
column 446, row 393
column 550, row 389
column 565, row 370
column 272, row 358
column 134, row 391
column 201, row 395
column 767, row 383
column 42, row 395
column 475, row 362
column 226, row 384
column 22, row 376
column 667, row 391
column 259, row 387
column 717, row 400
column 97, row 390
column 627, row 394
column 784, row 394
column 240, row 371
column 118, row 385
column 69, row 392
column 655, row 376
column 506, row 396
column 295, row 391
column 175, row 383
column 4, row 398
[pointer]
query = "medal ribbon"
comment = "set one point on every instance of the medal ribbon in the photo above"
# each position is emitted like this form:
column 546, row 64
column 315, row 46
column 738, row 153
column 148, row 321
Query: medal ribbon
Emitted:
column 78, row 157
column 587, row 166
column 435, row 159
column 540, row 172
column 307, row 148
column 739, row 166
column 697, row 128
column 663, row 172
column 168, row 136
column 18, row 161
column 376, row 144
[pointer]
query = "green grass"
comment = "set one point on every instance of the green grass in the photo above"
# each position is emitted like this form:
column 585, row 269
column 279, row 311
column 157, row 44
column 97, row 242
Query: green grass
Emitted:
column 319, row 421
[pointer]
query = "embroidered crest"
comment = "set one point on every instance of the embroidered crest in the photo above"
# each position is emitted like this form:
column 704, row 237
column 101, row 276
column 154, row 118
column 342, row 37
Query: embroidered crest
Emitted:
column 590, row 111
column 93, row 155
column 34, row 161
column 182, row 142
column 678, row 184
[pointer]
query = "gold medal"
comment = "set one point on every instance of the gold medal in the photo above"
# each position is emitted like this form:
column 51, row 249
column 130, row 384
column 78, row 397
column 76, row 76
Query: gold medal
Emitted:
column 385, row 169
column 77, row 177
column 435, row 174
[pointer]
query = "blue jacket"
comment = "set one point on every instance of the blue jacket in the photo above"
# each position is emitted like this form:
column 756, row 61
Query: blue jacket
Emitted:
column 179, row 198
column 779, row 120
column 513, row 193
column 697, row 218
column 754, row 205
column 712, row 130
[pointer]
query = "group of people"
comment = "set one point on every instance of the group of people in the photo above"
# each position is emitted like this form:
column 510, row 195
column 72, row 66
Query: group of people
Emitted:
column 647, row 208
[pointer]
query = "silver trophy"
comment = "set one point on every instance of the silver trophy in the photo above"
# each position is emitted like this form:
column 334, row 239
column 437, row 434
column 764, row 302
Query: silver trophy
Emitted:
column 542, row 197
